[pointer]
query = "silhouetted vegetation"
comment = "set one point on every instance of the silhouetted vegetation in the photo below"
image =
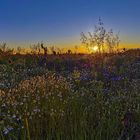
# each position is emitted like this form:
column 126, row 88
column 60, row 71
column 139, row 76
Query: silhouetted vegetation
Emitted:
column 49, row 94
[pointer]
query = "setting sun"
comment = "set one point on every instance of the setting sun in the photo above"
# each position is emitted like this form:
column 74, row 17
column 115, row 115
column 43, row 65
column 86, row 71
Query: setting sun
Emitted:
column 95, row 48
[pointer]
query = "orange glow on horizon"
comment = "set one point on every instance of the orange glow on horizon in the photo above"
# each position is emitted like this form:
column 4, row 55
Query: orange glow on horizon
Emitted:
column 79, row 49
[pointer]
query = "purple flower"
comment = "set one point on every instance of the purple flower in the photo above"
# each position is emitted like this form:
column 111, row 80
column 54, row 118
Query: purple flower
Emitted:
column 116, row 78
column 7, row 130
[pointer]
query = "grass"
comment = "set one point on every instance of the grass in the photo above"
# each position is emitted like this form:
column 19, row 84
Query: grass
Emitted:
column 87, row 103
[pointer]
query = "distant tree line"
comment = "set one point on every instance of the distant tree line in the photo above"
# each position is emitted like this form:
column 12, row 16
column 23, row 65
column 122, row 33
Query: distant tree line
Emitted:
column 103, row 39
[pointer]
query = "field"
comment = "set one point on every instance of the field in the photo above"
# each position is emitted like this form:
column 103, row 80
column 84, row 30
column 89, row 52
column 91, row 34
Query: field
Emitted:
column 70, row 96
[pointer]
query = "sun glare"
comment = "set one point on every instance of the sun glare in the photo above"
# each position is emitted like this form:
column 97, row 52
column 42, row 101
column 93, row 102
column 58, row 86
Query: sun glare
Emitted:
column 95, row 48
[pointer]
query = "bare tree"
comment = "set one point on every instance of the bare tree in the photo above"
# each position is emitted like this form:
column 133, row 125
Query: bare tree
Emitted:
column 35, row 48
column 69, row 51
column 100, row 37
column 19, row 49
column 76, row 49
column 52, row 48
column 4, row 50
column 85, row 41
column 3, row 47
column 95, row 38
column 59, row 50
column 112, row 41
column 45, row 49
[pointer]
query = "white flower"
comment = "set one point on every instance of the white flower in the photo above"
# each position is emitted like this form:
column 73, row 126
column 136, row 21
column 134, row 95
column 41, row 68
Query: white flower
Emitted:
column 7, row 130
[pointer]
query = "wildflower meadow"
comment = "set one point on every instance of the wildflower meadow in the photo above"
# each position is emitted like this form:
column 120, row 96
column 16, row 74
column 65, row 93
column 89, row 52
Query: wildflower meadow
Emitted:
column 69, row 97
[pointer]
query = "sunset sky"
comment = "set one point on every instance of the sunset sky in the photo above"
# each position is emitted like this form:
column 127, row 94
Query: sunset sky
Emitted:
column 61, row 21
